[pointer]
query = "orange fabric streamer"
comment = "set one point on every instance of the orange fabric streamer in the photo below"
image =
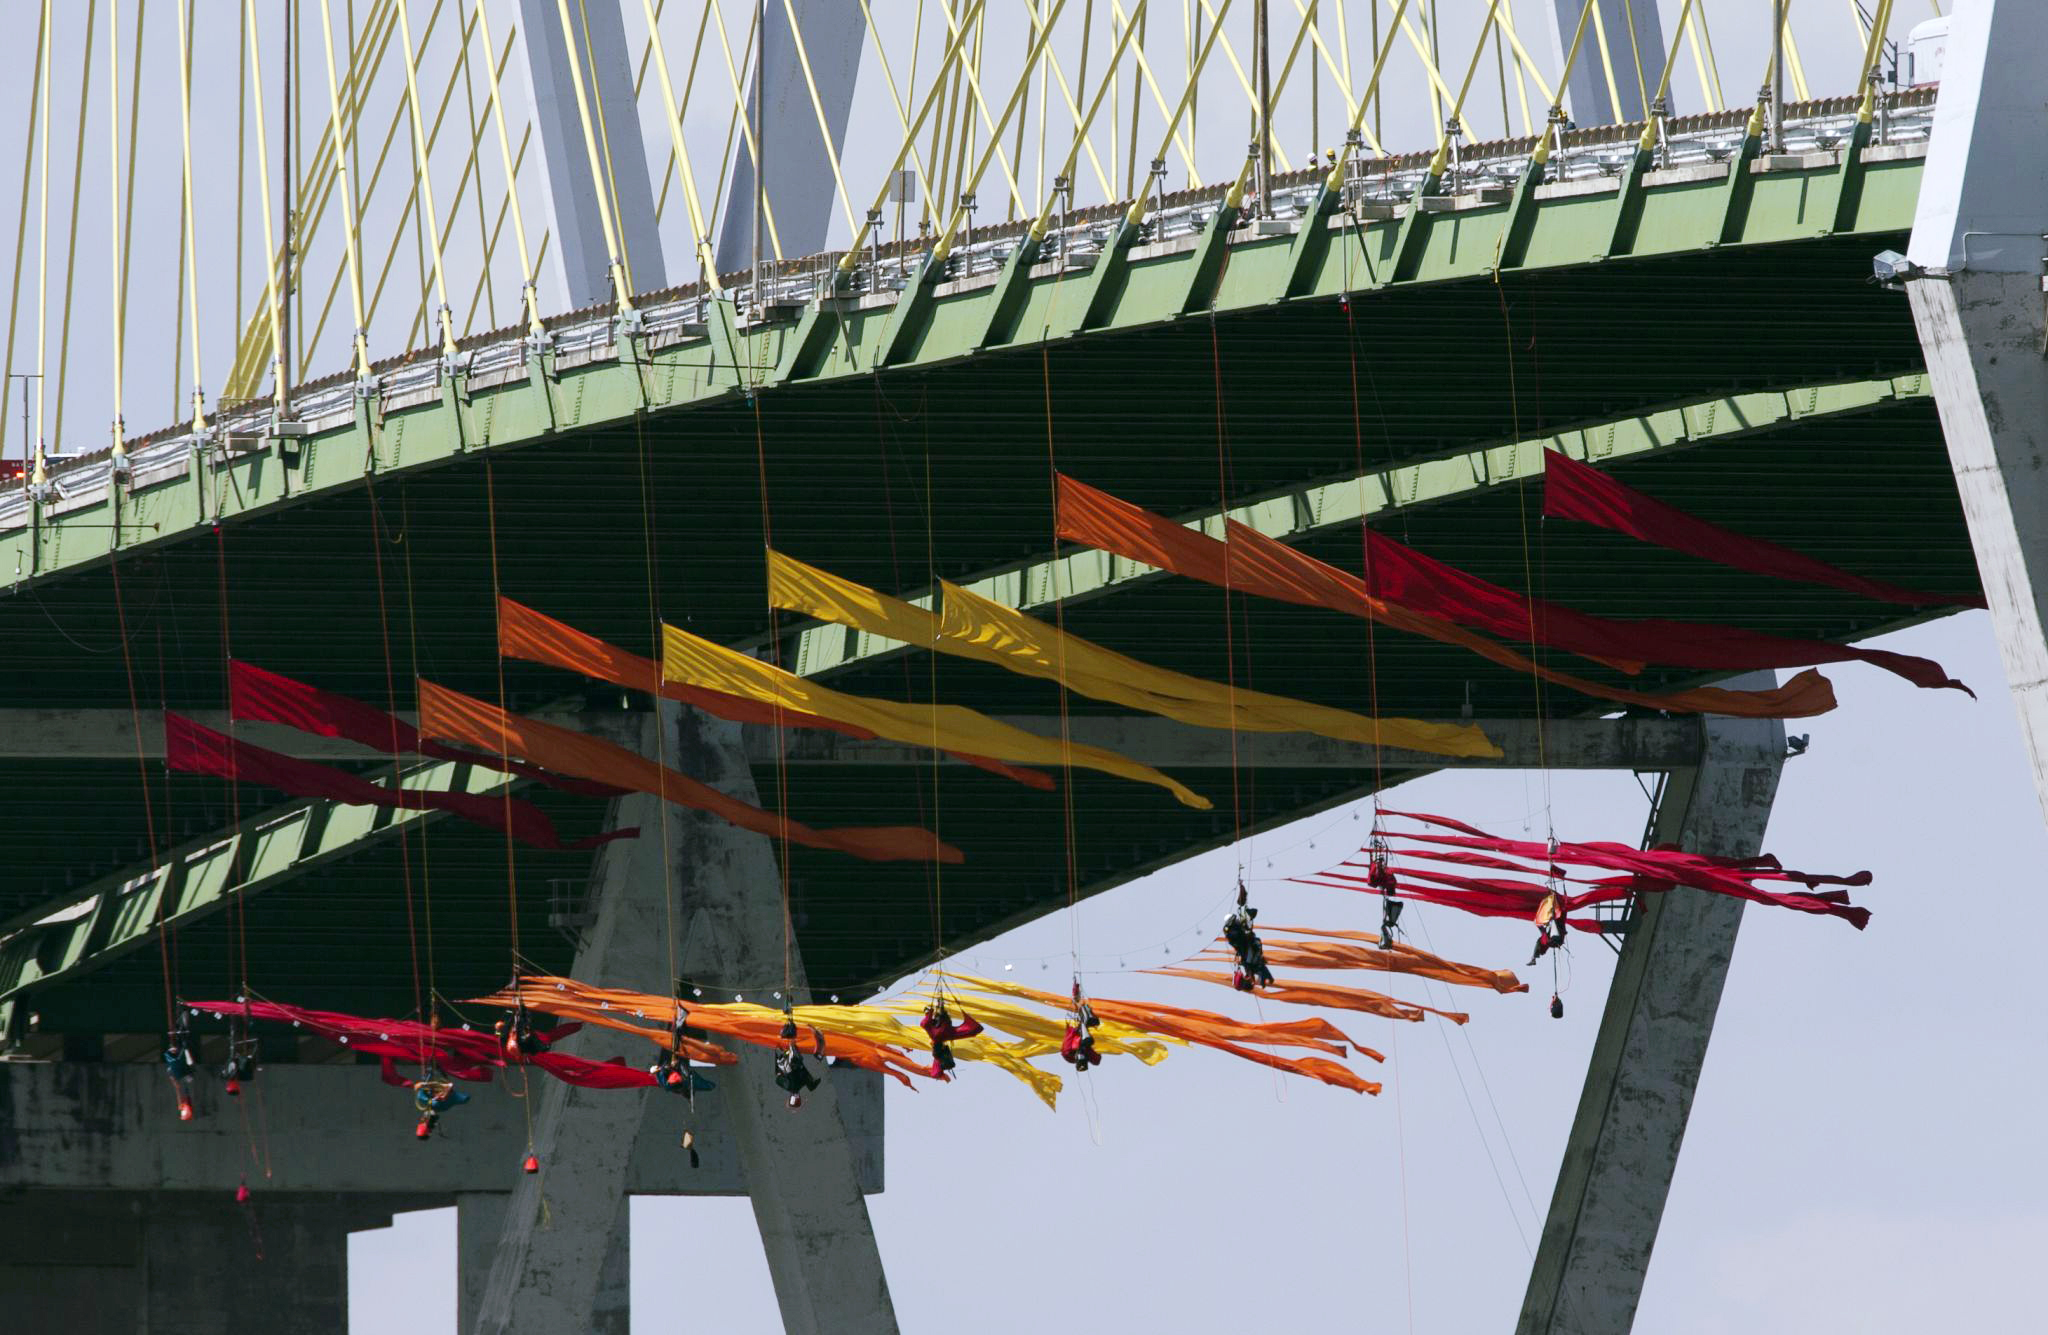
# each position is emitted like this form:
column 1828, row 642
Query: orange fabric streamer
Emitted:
column 1222, row 1033
column 1251, row 562
column 537, row 638
column 1303, row 993
column 454, row 717
column 635, row 1012
column 1396, row 958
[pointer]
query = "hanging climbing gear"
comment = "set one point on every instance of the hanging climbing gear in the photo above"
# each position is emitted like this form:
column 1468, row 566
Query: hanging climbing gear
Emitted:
column 1251, row 970
column 1379, row 876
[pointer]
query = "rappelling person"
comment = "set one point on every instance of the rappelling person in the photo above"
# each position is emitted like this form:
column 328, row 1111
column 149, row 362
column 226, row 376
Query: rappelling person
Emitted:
column 791, row 1074
column 1077, row 1049
column 1251, row 970
column 1549, row 925
column 671, row 1069
column 519, row 1038
column 1379, row 876
column 432, row 1096
column 181, row 1059
column 240, row 1067
column 940, row 1026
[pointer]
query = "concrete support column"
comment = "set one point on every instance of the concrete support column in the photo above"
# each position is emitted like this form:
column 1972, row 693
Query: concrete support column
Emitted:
column 799, row 1166
column 1978, row 240
column 800, row 183
column 1624, row 1143
column 177, row 1263
column 561, row 1260
column 607, row 70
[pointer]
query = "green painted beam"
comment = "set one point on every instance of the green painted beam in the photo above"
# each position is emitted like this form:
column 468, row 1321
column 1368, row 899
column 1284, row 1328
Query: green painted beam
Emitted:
column 1302, row 512
column 121, row 912
column 180, row 488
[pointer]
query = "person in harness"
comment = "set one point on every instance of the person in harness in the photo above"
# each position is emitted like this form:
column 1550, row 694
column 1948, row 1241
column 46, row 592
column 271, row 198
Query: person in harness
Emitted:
column 1251, row 970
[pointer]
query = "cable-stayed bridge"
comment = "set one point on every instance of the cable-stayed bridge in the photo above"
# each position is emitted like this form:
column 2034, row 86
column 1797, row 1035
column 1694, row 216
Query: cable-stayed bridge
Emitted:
column 470, row 299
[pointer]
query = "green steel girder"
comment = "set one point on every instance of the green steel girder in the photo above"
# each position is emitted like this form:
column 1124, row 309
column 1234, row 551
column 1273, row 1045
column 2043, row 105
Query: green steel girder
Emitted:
column 123, row 911
column 559, row 392
column 1299, row 513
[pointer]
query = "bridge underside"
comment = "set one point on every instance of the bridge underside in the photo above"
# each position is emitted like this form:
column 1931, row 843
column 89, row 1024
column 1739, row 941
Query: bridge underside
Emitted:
column 943, row 471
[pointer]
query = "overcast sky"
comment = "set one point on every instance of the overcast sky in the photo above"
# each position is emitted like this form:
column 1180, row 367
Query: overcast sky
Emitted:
column 1860, row 1156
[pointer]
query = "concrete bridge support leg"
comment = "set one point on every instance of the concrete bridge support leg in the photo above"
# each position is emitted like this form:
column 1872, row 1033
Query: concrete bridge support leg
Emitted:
column 1618, row 1162
column 549, row 1270
column 565, row 1228
column 1980, row 236
column 799, row 1166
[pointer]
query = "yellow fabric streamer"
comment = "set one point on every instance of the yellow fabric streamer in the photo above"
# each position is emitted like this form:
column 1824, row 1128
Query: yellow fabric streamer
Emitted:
column 696, row 661
column 1041, row 1034
column 971, row 626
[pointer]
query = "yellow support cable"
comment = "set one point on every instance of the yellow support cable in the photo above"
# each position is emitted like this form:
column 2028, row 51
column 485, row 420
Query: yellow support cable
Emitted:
column 969, row 68
column 803, row 60
column 483, row 233
column 191, row 224
column 1873, row 48
column 1438, row 88
column 745, row 126
column 409, row 210
column 1648, row 142
column 1059, row 74
column 1524, row 63
column 472, row 164
column 316, row 183
column 1196, row 63
column 1243, row 80
column 505, row 206
column 1335, row 180
column 681, row 151
column 368, row 192
column 1564, row 82
column 348, row 218
column 1159, row 100
column 995, row 138
column 1330, row 62
column 71, row 241
column 263, row 184
column 1606, row 62
column 28, row 162
column 1710, row 92
column 1044, row 220
column 622, row 289
column 425, row 175
column 668, row 171
column 609, row 181
column 527, row 292
column 1438, row 163
column 852, row 255
column 1635, row 51
column 924, row 184
column 41, row 477
column 120, row 446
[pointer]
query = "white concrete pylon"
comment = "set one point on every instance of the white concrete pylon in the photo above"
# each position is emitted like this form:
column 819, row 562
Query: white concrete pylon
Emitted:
column 1979, row 280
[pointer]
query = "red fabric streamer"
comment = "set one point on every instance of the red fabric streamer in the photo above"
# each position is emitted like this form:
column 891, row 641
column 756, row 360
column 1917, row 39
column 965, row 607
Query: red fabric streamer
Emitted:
column 1253, row 563
column 198, row 749
column 1573, row 490
column 1400, row 574
column 257, row 695
column 464, row 1054
column 525, row 633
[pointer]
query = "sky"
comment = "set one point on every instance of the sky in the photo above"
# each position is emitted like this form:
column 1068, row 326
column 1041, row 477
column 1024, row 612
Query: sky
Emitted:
column 1860, row 1154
